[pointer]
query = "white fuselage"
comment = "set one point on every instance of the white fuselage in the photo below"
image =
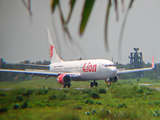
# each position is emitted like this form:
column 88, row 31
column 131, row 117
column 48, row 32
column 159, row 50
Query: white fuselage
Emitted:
column 88, row 69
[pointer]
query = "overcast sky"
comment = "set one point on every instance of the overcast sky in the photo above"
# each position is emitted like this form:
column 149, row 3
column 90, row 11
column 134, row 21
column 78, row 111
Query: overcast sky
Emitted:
column 24, row 38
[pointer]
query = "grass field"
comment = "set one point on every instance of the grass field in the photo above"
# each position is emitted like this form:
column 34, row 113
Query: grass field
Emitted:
column 39, row 82
column 123, row 100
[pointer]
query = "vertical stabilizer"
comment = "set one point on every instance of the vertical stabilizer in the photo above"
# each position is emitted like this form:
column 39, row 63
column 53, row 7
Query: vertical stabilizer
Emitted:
column 52, row 50
column 153, row 64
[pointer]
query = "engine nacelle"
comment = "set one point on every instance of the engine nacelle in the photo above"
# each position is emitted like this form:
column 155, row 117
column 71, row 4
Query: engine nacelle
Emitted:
column 114, row 79
column 64, row 79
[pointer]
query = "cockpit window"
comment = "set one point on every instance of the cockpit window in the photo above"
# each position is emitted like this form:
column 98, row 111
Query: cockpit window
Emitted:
column 105, row 65
column 111, row 65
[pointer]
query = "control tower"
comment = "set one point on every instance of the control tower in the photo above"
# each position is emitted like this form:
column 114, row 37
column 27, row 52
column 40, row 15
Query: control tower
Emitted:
column 136, row 60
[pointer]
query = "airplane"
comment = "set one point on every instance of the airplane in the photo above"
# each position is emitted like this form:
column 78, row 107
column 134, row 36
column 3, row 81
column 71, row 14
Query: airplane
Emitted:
column 78, row 70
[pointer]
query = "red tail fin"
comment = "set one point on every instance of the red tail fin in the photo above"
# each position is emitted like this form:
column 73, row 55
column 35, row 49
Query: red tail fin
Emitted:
column 153, row 62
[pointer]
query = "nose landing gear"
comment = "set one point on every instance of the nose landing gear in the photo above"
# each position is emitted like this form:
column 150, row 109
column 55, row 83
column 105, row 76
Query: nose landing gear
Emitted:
column 108, row 82
column 94, row 84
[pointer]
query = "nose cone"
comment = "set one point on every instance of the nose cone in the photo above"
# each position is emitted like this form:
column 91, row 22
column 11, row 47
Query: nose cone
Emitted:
column 113, row 71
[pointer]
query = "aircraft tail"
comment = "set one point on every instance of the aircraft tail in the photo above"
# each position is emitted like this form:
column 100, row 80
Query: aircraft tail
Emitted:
column 153, row 64
column 52, row 50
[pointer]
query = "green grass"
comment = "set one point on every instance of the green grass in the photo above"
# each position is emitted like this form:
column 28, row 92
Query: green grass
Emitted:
column 119, row 102
column 39, row 82
column 122, row 100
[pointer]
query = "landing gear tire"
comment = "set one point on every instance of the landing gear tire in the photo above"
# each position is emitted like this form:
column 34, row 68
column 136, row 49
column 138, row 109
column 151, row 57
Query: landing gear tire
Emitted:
column 96, row 84
column 64, row 86
column 91, row 84
column 69, row 85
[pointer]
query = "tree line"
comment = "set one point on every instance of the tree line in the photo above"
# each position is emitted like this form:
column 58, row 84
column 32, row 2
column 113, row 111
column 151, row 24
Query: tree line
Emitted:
column 7, row 76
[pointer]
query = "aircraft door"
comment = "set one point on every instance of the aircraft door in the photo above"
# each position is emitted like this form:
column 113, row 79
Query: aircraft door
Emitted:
column 99, row 68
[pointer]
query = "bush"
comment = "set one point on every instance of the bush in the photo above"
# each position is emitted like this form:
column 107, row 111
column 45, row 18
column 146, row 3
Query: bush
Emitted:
column 24, row 105
column 87, row 113
column 87, row 91
column 127, row 96
column 61, row 97
column 42, row 92
column 28, row 92
column 99, row 103
column 40, row 104
column 19, row 98
column 89, row 101
column 85, row 97
column 140, row 91
column 116, row 100
column 16, row 106
column 48, row 104
column 149, row 93
column 138, row 79
column 78, row 107
column 3, row 109
column 119, row 83
column 49, row 88
column 78, row 98
column 130, row 83
column 3, row 94
column 93, row 112
column 65, row 91
column 52, row 97
column 156, row 113
column 156, row 102
column 121, row 105
column 20, row 91
column 102, row 90
column 95, row 95
column 139, row 95
column 75, row 93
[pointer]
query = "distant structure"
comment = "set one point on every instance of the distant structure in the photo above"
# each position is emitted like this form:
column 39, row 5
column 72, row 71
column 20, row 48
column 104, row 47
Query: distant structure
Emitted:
column 136, row 60
column 80, row 58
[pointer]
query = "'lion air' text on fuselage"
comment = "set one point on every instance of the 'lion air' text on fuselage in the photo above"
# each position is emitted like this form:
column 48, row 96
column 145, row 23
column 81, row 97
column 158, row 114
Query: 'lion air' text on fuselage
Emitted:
column 88, row 67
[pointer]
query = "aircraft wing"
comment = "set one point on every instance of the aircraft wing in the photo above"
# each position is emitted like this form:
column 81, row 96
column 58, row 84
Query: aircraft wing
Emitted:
column 39, row 72
column 35, row 65
column 119, row 72
column 31, row 71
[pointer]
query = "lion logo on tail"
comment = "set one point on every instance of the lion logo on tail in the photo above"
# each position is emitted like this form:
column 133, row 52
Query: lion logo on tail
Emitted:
column 51, row 51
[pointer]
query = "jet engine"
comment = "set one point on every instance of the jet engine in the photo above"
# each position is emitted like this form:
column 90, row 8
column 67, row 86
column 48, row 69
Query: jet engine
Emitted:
column 64, row 79
column 114, row 79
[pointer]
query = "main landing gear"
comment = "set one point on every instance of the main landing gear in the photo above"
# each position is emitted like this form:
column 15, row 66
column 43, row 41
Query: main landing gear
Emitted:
column 64, row 86
column 94, row 84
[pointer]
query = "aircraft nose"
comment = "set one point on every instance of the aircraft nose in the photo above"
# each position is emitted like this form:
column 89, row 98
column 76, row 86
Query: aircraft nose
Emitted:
column 114, row 70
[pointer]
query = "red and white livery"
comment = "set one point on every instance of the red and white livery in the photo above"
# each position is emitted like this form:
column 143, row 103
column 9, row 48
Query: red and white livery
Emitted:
column 79, row 70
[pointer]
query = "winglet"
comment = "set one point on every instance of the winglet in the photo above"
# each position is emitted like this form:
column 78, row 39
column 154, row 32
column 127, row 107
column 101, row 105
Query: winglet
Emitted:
column 153, row 65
